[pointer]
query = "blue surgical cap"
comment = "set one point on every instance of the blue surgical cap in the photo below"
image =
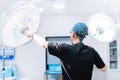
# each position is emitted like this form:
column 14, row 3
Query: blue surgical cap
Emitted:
column 80, row 29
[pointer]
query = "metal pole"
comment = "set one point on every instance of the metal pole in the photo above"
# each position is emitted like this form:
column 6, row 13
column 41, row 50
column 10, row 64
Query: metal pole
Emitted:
column 3, row 64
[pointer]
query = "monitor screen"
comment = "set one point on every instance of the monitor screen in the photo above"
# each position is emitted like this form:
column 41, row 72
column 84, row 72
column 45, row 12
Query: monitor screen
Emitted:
column 52, row 62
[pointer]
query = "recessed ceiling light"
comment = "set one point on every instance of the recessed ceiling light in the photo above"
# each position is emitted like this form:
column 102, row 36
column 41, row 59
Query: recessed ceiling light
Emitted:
column 58, row 6
column 41, row 9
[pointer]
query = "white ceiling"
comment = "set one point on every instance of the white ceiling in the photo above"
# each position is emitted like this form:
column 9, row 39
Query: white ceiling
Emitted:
column 71, row 6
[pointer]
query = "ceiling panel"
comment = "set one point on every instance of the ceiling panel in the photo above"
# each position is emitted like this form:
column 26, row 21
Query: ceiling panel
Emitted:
column 71, row 6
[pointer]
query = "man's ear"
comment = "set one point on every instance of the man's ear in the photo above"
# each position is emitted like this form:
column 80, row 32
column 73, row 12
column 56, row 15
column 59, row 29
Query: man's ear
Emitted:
column 74, row 35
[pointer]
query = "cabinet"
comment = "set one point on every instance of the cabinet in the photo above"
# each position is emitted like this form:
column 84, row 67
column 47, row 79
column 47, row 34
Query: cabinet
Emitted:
column 113, row 55
column 53, row 75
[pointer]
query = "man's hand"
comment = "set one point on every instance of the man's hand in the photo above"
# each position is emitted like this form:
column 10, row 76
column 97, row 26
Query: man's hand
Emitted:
column 104, row 69
column 28, row 34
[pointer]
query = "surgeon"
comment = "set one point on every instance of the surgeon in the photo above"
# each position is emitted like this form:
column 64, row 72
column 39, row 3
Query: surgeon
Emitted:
column 77, row 59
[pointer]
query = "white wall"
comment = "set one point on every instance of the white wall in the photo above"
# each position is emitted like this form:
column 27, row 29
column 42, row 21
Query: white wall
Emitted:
column 30, row 59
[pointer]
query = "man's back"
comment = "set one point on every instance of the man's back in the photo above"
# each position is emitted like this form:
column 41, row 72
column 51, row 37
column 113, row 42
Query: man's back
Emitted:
column 80, row 64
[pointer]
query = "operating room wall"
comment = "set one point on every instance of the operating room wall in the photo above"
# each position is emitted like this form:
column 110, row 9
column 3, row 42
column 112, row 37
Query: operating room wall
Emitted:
column 30, row 58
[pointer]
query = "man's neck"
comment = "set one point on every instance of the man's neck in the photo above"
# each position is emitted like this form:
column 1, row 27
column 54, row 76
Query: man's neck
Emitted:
column 76, row 41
